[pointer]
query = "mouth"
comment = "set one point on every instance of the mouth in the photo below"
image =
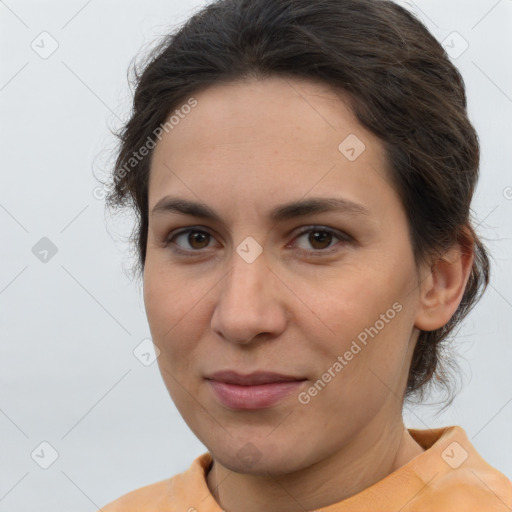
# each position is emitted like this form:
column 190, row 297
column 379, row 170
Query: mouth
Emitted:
column 258, row 390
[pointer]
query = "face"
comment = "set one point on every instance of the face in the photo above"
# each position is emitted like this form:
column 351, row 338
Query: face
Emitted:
column 309, row 309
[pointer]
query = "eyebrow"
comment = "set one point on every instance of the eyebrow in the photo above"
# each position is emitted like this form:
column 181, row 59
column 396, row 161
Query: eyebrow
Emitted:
column 279, row 213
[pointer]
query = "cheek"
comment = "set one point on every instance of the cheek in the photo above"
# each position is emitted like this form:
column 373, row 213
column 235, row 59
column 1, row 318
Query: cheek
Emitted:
column 366, row 318
column 170, row 310
column 350, row 299
column 160, row 303
column 168, row 298
column 167, row 307
column 177, row 307
column 355, row 379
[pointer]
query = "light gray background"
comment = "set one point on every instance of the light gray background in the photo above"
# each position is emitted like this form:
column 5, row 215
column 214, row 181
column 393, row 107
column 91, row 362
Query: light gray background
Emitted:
column 68, row 374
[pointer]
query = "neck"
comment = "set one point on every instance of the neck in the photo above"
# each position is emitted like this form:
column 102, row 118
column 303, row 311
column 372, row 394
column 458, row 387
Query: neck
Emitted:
column 374, row 453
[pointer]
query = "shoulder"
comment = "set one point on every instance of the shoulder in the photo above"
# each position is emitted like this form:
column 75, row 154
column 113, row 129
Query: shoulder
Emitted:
column 175, row 493
column 148, row 499
column 453, row 476
column 467, row 489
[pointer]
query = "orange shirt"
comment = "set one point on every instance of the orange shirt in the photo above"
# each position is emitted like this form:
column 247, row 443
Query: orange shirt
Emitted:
column 450, row 476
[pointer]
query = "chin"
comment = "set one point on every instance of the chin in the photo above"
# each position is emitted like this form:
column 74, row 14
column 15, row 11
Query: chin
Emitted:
column 261, row 458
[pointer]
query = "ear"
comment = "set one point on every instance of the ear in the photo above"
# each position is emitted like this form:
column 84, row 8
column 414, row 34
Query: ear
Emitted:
column 442, row 287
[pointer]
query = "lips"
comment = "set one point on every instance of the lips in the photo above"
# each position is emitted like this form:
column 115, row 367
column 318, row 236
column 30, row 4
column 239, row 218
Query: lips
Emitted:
column 253, row 379
column 258, row 390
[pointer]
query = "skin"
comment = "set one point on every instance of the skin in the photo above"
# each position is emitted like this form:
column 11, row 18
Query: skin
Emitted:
column 244, row 149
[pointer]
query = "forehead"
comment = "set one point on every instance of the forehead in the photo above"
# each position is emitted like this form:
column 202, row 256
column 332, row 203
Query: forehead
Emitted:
column 276, row 110
column 279, row 136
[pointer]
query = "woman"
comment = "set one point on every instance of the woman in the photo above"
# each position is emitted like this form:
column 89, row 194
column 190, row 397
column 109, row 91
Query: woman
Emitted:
column 302, row 173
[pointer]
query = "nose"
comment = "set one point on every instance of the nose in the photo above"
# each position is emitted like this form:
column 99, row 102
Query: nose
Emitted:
column 251, row 301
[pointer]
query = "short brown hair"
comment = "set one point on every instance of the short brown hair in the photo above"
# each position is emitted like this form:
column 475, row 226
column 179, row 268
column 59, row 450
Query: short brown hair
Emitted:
column 402, row 87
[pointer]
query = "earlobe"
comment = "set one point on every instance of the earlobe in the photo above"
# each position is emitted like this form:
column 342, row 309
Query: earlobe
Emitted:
column 442, row 288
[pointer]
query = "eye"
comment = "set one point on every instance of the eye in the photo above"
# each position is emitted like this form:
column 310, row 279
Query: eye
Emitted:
column 196, row 239
column 320, row 238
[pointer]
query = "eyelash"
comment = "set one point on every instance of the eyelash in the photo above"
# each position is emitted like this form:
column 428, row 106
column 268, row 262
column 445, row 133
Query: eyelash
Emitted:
column 342, row 237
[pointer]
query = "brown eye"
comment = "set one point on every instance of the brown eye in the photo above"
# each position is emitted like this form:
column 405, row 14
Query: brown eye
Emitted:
column 198, row 239
column 320, row 239
column 189, row 241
